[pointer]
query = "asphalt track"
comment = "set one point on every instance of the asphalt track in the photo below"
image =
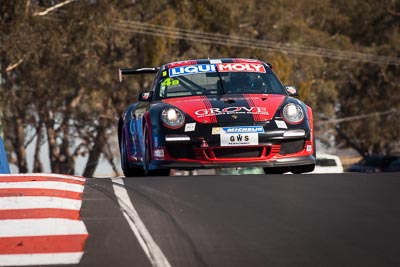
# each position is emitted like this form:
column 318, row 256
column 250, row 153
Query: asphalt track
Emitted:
column 350, row 219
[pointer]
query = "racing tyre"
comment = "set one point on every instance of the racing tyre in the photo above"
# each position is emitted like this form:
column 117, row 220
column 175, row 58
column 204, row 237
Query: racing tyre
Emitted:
column 147, row 157
column 302, row 169
column 126, row 169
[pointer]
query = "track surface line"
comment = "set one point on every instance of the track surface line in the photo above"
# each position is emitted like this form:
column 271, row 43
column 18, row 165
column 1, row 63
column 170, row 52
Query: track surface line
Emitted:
column 150, row 247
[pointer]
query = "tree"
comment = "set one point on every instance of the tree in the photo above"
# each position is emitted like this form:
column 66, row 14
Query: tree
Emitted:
column 370, row 88
column 59, row 61
column 55, row 87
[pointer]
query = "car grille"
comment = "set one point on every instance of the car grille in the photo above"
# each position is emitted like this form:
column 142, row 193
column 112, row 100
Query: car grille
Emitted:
column 181, row 151
column 289, row 147
column 187, row 151
column 238, row 152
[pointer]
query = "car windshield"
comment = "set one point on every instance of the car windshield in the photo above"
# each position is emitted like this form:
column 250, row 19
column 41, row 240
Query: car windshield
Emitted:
column 205, row 80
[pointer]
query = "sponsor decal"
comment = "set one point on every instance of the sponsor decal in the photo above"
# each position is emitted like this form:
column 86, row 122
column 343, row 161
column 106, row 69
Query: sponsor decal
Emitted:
column 290, row 89
column 164, row 73
column 221, row 67
column 182, row 63
column 238, row 135
column 281, row 124
column 159, row 153
column 170, row 82
column 309, row 148
column 190, row 127
column 216, row 130
column 215, row 61
column 243, row 129
column 245, row 60
column 200, row 113
column 192, row 69
column 238, row 139
column 240, row 67
column 145, row 95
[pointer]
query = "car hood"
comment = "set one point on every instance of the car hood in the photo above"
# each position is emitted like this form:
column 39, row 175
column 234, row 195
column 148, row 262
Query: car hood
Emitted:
column 228, row 108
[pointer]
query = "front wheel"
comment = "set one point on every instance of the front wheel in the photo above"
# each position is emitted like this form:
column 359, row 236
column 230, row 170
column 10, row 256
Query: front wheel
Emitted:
column 126, row 168
column 302, row 169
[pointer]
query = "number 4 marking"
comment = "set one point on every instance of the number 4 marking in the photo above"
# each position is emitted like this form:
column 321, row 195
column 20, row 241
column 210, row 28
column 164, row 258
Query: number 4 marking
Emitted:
column 169, row 82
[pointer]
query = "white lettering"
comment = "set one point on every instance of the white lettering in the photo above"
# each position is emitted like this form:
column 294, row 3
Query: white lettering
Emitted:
column 201, row 112
column 248, row 129
column 175, row 71
column 259, row 67
column 230, row 110
column 224, row 67
column 241, row 67
column 192, row 69
column 208, row 111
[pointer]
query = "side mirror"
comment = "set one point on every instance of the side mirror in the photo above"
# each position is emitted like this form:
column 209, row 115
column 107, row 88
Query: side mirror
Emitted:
column 145, row 96
column 292, row 90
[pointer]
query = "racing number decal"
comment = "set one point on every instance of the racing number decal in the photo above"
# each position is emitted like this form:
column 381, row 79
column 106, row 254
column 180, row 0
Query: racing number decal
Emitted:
column 169, row 82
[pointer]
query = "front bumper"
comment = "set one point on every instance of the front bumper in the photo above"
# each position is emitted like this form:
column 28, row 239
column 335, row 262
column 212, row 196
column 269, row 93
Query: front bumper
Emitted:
column 205, row 148
column 188, row 165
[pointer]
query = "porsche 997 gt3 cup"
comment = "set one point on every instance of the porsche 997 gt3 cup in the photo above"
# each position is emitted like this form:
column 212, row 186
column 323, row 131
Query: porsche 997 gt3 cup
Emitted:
column 215, row 113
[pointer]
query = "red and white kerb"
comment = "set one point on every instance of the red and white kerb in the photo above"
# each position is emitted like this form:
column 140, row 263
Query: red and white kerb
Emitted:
column 39, row 219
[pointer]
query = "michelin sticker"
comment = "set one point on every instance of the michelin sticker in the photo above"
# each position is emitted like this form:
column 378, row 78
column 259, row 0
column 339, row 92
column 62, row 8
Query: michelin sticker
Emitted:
column 243, row 129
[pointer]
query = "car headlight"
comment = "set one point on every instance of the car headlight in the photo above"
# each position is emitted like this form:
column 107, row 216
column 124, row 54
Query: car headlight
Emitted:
column 172, row 118
column 293, row 113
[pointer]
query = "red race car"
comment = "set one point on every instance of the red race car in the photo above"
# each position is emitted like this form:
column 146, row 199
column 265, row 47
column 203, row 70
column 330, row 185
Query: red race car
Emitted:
column 212, row 113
